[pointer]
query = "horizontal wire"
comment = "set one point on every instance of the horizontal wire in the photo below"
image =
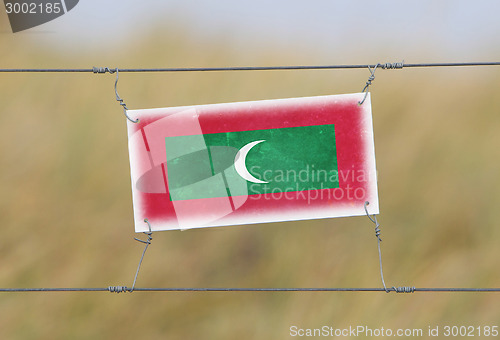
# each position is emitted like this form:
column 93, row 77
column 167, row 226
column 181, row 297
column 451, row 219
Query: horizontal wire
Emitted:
column 244, row 68
column 423, row 290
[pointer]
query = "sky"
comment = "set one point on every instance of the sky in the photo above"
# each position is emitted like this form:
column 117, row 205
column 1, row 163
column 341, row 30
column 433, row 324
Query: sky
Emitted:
column 427, row 30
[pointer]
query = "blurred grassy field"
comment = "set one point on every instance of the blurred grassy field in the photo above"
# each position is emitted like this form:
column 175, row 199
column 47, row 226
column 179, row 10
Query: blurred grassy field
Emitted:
column 66, row 210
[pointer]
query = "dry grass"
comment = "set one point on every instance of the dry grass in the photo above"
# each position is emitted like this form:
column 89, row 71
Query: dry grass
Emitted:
column 66, row 214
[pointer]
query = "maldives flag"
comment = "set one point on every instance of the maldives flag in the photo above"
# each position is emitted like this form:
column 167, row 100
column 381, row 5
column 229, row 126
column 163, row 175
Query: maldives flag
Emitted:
column 252, row 162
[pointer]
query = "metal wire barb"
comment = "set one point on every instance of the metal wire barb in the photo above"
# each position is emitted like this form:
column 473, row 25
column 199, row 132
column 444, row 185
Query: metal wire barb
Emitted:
column 117, row 289
column 103, row 70
column 389, row 66
column 404, row 289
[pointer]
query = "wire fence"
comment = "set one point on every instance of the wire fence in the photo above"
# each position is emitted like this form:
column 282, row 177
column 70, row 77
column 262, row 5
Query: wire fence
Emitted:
column 371, row 67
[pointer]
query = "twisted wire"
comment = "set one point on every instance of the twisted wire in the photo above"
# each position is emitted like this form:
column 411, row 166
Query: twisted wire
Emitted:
column 147, row 242
column 404, row 289
column 377, row 234
column 392, row 66
column 118, row 99
column 120, row 289
column 379, row 239
column 368, row 83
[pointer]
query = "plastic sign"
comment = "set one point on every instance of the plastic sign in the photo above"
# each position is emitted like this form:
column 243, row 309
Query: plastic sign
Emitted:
column 252, row 162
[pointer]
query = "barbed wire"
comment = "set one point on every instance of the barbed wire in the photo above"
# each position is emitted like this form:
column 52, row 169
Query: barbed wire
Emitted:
column 398, row 65
column 120, row 289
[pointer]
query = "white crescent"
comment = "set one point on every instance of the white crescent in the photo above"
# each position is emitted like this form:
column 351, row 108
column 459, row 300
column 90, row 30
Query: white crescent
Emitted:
column 240, row 166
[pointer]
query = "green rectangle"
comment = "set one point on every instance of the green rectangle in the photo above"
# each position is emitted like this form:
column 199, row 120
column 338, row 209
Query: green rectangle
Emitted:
column 287, row 159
